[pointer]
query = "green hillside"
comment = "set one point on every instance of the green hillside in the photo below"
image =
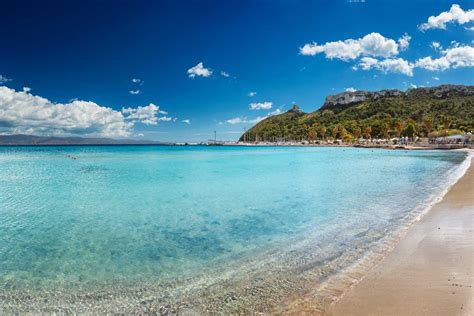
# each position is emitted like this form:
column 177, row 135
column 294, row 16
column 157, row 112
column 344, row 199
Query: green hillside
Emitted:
column 388, row 113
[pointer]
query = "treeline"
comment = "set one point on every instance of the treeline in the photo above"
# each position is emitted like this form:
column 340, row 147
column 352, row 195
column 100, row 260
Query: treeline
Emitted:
column 407, row 115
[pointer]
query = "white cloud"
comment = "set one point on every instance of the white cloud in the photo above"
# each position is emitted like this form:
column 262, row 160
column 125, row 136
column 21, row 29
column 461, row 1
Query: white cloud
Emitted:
column 143, row 114
column 166, row 119
column 413, row 86
column 257, row 119
column 135, row 91
column 26, row 89
column 224, row 74
column 162, row 112
column 276, row 112
column 404, row 41
column 261, row 105
column 236, row 120
column 136, row 80
column 242, row 120
column 437, row 64
column 436, row 45
column 436, row 78
column 455, row 57
column 4, row 79
column 469, row 28
column 199, row 70
column 252, row 94
column 350, row 89
column 373, row 44
column 22, row 112
column 186, row 121
column 397, row 65
column 455, row 15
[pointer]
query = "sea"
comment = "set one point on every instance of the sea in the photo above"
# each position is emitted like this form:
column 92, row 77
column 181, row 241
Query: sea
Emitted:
column 200, row 229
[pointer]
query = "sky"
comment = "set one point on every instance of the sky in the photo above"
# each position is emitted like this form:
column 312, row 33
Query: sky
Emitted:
column 180, row 70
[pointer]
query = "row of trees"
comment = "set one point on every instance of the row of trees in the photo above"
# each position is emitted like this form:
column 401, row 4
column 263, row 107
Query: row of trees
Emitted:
column 353, row 130
column 385, row 129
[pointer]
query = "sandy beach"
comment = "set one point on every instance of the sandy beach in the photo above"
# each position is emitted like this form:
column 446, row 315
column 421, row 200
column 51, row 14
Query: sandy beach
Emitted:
column 430, row 272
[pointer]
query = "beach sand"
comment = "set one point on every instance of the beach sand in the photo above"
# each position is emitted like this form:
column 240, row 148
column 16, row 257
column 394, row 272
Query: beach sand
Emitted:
column 430, row 272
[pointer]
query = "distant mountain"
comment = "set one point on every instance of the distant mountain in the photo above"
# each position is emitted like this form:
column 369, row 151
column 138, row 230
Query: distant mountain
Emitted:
column 378, row 113
column 20, row 139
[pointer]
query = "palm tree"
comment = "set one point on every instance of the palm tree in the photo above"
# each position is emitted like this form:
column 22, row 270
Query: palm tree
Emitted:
column 312, row 134
column 410, row 130
column 334, row 132
column 385, row 130
column 322, row 132
column 368, row 132
column 446, row 122
column 356, row 132
column 399, row 127
column 428, row 122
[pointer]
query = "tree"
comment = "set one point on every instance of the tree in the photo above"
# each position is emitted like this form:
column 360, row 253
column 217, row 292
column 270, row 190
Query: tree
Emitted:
column 368, row 132
column 399, row 126
column 446, row 122
column 322, row 132
column 334, row 132
column 357, row 132
column 410, row 130
column 312, row 134
column 385, row 130
column 428, row 123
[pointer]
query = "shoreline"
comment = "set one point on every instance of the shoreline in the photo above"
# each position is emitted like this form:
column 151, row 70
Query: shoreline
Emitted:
column 326, row 298
column 270, row 288
column 429, row 271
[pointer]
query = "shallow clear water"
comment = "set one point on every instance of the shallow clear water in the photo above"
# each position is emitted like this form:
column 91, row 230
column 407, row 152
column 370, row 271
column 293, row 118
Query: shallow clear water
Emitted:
column 137, row 213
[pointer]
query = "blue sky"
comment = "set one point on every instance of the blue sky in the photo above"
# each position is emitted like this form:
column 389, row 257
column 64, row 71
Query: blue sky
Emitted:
column 81, row 58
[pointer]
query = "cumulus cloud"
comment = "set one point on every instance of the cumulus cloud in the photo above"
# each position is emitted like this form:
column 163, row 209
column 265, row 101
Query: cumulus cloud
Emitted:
column 224, row 74
column 350, row 89
column 455, row 57
column 143, row 114
column 261, row 105
column 436, row 78
column 186, row 121
column 22, row 112
column 136, row 80
column 199, row 70
column 252, row 94
column 4, row 79
column 135, row 91
column 455, row 15
column 404, row 41
column 373, row 45
column 390, row 65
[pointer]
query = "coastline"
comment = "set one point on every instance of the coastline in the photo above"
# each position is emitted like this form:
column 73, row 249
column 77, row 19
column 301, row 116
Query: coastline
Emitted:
column 258, row 287
column 430, row 271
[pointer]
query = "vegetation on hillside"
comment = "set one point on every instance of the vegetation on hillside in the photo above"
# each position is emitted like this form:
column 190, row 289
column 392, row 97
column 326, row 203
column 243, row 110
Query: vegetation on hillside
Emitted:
column 415, row 113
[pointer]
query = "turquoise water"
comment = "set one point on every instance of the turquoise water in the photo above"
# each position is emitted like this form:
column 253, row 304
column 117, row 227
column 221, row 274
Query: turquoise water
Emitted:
column 136, row 214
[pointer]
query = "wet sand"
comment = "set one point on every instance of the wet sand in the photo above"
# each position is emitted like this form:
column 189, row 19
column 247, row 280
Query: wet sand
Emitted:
column 430, row 272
